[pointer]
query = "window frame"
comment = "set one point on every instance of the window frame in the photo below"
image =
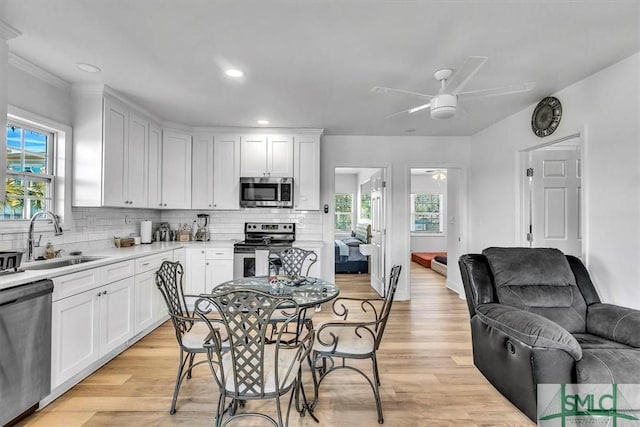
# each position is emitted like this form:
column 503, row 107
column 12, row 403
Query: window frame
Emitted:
column 336, row 212
column 49, row 177
column 62, row 152
column 440, row 213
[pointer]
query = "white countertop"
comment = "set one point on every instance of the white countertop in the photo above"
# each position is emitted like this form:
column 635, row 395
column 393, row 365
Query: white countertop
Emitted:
column 110, row 256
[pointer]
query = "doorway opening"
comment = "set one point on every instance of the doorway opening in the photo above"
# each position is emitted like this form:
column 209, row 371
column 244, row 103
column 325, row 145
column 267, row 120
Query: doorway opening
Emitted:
column 552, row 195
column 359, row 223
column 436, row 220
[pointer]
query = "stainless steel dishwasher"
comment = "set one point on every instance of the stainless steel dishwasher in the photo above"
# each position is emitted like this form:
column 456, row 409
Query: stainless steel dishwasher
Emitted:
column 25, row 348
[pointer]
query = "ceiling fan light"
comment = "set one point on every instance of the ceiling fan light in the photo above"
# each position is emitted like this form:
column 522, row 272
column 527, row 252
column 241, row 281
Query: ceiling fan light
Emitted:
column 443, row 106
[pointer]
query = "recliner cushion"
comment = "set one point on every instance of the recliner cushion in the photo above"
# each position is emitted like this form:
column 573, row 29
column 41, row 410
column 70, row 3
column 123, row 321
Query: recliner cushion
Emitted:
column 590, row 341
column 539, row 280
column 609, row 366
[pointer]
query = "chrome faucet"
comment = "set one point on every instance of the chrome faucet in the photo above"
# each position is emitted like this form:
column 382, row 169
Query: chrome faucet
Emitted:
column 56, row 228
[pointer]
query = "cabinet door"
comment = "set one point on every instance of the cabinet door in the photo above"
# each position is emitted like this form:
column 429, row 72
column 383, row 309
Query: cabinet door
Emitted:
column 176, row 170
column 180, row 255
column 116, row 131
column 202, row 172
column 253, row 155
column 75, row 341
column 196, row 280
column 145, row 300
column 116, row 314
column 154, row 197
column 226, row 172
column 280, row 155
column 136, row 172
column 220, row 270
column 306, row 177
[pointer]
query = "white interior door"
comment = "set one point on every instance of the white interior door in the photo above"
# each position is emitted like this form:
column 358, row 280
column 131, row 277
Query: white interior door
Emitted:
column 378, row 232
column 556, row 199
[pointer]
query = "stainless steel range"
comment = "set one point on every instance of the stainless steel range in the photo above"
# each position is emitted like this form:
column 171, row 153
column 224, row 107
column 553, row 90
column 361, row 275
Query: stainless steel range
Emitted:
column 260, row 236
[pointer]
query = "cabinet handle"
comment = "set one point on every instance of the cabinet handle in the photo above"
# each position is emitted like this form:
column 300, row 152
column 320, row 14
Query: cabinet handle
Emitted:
column 144, row 264
column 104, row 293
column 201, row 252
column 219, row 253
column 209, row 204
column 206, row 263
column 215, row 206
column 165, row 204
column 159, row 204
column 99, row 293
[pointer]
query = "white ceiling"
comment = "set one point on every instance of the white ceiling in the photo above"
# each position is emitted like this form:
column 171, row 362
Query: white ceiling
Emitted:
column 312, row 63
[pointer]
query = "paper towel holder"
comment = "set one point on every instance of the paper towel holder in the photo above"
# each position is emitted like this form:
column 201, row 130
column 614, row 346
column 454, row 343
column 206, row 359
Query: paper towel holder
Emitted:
column 145, row 232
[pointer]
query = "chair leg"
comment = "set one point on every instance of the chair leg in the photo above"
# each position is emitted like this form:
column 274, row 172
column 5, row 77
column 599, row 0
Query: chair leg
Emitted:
column 376, row 388
column 179, row 378
column 191, row 357
column 221, row 410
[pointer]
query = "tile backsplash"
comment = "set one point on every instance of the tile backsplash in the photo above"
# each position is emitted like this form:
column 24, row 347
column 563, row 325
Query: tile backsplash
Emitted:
column 94, row 228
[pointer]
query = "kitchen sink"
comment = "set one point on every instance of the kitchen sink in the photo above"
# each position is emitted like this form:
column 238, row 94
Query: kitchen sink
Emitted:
column 57, row 263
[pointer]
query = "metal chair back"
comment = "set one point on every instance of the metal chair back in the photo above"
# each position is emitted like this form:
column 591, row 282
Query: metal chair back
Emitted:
column 292, row 262
column 169, row 282
column 388, row 301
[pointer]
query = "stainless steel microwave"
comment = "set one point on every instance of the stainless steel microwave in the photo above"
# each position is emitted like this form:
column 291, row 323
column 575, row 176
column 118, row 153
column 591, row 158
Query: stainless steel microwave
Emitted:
column 263, row 192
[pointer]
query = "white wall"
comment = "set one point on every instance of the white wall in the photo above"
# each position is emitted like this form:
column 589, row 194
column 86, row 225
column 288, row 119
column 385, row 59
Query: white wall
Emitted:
column 427, row 242
column 606, row 107
column 36, row 96
column 398, row 155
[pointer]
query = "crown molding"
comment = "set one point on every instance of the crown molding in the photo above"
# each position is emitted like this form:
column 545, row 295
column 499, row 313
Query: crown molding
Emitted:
column 256, row 130
column 7, row 32
column 37, row 72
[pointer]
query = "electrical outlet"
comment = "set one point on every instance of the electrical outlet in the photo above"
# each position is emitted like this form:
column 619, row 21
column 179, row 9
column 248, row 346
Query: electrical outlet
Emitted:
column 301, row 222
column 127, row 219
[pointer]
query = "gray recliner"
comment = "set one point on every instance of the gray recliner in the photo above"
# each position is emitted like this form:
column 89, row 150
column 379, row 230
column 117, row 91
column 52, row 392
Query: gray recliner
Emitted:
column 536, row 318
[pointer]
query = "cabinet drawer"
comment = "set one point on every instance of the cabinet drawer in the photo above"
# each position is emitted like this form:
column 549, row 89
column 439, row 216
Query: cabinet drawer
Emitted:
column 152, row 262
column 117, row 271
column 74, row 283
column 219, row 253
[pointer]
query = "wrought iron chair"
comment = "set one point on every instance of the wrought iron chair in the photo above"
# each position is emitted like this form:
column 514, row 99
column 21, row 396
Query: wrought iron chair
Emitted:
column 291, row 262
column 191, row 332
column 355, row 339
column 255, row 367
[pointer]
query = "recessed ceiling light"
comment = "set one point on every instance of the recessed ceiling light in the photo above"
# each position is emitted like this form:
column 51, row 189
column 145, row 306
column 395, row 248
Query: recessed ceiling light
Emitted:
column 233, row 72
column 88, row 68
column 263, row 122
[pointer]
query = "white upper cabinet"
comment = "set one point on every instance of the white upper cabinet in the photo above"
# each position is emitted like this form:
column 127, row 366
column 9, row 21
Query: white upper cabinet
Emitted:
column 155, row 168
column 176, row 170
column 306, row 176
column 202, row 170
column 110, row 150
column 266, row 155
column 226, row 172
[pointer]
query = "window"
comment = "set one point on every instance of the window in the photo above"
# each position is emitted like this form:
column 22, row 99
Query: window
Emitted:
column 29, row 184
column 426, row 213
column 343, row 212
column 365, row 206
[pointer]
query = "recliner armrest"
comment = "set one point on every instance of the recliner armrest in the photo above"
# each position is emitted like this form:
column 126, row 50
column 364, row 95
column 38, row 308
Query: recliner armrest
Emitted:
column 613, row 322
column 529, row 328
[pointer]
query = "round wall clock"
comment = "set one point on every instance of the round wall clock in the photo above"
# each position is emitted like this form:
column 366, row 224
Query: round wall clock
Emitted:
column 546, row 116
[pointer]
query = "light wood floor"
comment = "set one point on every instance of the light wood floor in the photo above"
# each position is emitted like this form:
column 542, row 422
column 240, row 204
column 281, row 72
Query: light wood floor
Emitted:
column 426, row 368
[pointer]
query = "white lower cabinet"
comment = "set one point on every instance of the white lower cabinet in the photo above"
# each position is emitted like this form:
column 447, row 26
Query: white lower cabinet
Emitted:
column 207, row 268
column 150, row 305
column 89, row 325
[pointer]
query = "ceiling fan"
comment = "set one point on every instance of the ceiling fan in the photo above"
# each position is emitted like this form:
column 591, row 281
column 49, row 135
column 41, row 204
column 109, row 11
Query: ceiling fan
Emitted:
column 444, row 104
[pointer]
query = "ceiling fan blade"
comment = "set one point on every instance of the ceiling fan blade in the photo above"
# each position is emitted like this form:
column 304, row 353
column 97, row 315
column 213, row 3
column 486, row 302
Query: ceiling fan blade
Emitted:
column 462, row 76
column 410, row 110
column 498, row 91
column 385, row 90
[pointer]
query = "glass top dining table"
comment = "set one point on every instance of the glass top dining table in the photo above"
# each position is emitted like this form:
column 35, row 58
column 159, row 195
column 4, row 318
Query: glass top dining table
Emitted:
column 305, row 291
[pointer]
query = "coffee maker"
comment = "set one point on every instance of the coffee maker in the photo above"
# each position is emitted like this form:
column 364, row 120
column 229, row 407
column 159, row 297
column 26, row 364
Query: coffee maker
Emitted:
column 202, row 234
